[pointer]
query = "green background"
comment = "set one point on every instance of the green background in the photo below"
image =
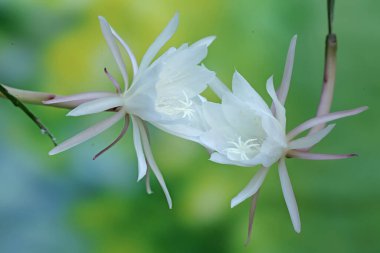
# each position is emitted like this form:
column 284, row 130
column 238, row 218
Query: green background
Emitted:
column 69, row 203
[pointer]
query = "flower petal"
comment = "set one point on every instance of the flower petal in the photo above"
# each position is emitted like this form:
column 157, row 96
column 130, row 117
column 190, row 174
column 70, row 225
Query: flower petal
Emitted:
column 87, row 134
column 312, row 139
column 80, row 96
column 140, row 99
column 323, row 119
column 107, row 33
column 218, row 87
column 165, row 35
column 98, row 105
column 147, row 182
column 243, row 90
column 152, row 162
column 177, row 78
column 222, row 159
column 129, row 51
column 290, row 199
column 204, row 42
column 280, row 110
column 181, row 72
column 139, row 149
column 244, row 119
column 315, row 156
column 252, row 187
column 282, row 92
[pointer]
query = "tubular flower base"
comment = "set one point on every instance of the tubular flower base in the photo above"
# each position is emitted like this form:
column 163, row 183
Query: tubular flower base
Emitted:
column 164, row 92
column 244, row 131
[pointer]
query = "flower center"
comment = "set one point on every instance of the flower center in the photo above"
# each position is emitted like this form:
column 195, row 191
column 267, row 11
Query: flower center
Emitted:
column 243, row 150
column 176, row 106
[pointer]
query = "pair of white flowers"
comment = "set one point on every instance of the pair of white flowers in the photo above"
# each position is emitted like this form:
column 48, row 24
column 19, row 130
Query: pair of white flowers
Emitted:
column 165, row 92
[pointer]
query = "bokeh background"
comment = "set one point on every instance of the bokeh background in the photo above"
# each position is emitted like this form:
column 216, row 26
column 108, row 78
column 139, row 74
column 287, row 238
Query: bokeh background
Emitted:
column 69, row 203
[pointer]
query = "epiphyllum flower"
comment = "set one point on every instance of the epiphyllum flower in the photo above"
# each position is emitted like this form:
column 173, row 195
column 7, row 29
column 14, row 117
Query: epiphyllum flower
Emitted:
column 244, row 131
column 164, row 92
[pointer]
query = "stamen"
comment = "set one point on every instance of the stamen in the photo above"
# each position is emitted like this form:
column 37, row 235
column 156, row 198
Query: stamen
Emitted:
column 244, row 149
column 113, row 80
column 118, row 138
column 174, row 106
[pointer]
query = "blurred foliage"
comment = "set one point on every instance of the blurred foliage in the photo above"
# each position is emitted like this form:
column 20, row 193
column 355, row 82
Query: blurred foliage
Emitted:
column 69, row 203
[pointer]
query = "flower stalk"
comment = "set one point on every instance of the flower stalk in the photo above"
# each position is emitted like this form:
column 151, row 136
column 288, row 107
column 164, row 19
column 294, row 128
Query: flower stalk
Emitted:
column 16, row 102
column 329, row 75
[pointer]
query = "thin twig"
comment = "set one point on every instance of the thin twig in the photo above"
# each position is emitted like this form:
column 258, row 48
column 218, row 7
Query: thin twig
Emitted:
column 329, row 69
column 20, row 105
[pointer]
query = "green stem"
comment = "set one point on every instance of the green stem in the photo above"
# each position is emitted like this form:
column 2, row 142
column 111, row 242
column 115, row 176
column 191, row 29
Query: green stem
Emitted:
column 16, row 102
column 329, row 75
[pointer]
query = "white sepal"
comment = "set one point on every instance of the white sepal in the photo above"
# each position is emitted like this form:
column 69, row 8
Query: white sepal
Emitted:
column 142, row 166
column 252, row 187
column 290, row 199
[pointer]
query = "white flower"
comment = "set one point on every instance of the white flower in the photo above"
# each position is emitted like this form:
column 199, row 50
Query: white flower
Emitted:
column 244, row 131
column 164, row 92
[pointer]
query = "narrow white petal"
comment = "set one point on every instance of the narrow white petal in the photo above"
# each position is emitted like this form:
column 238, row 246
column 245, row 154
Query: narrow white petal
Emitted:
column 107, row 33
column 152, row 162
column 218, row 87
column 290, row 199
column 243, row 90
column 312, row 139
column 222, row 159
column 129, row 51
column 282, row 92
column 213, row 114
column 323, row 119
column 98, row 105
column 80, row 96
column 187, row 132
column 315, row 156
column 139, row 149
column 252, row 187
column 280, row 110
column 204, row 42
column 87, row 134
column 147, row 182
column 165, row 35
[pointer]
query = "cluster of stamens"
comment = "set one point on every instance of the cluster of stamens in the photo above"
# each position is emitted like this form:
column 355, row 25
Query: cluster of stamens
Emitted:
column 176, row 107
column 243, row 149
